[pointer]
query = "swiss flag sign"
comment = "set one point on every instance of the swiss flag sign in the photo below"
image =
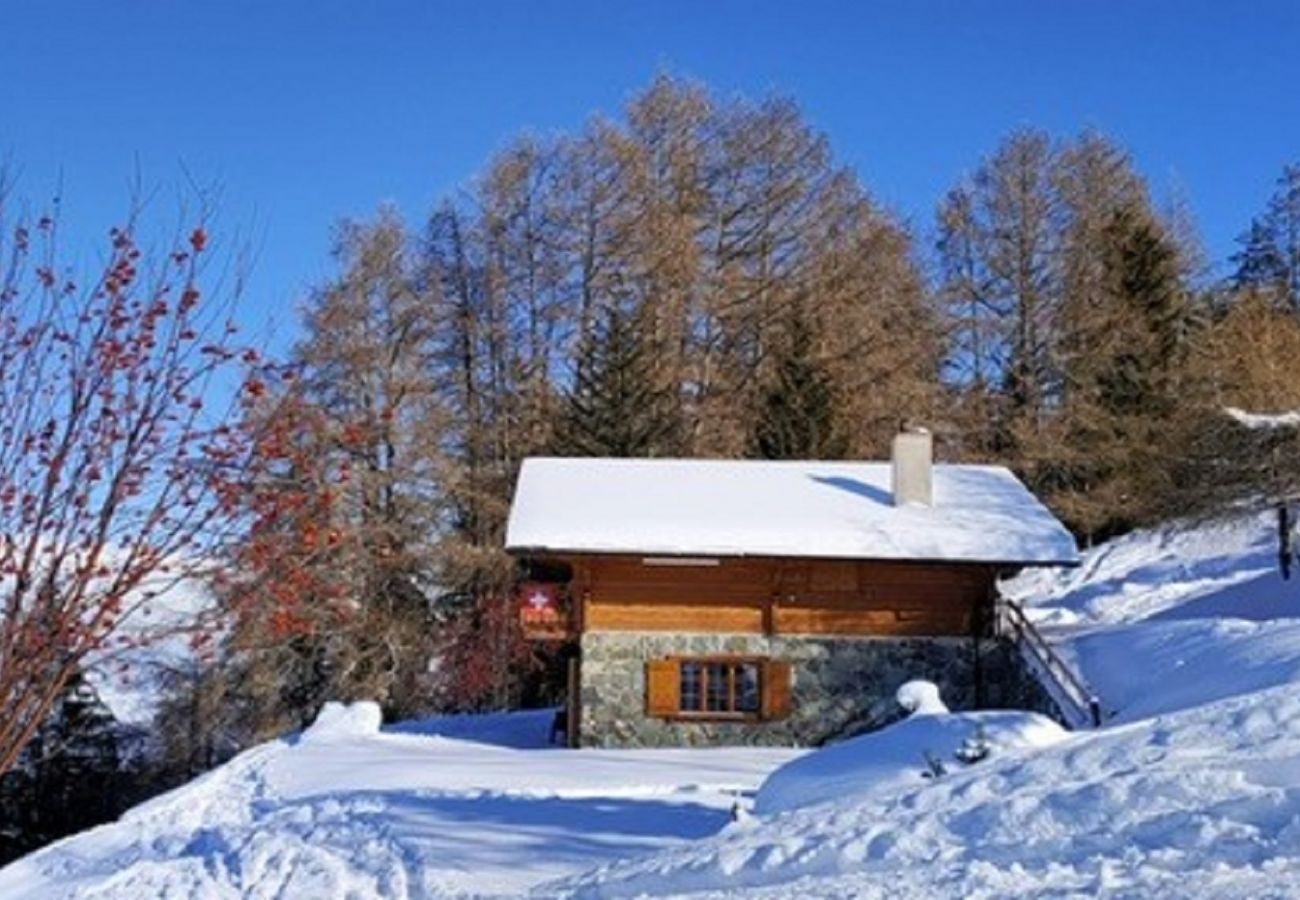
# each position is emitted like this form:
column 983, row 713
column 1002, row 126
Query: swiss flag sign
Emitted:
column 540, row 607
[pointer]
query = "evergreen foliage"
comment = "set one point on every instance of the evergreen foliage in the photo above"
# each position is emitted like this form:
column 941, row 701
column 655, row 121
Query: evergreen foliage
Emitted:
column 796, row 419
column 618, row 406
column 70, row 777
column 1122, row 380
column 1269, row 259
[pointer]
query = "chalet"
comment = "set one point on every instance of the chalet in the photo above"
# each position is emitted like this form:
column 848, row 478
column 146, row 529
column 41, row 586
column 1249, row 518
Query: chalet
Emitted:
column 751, row 602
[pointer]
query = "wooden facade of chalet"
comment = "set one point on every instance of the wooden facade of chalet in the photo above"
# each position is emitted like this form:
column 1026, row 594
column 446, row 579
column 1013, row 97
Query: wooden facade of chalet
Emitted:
column 772, row 597
column 753, row 595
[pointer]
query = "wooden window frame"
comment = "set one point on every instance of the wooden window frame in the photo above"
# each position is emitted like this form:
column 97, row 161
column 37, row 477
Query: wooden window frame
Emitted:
column 664, row 688
column 734, row 662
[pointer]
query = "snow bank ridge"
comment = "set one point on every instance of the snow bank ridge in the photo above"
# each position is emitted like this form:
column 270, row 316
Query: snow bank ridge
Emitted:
column 341, row 721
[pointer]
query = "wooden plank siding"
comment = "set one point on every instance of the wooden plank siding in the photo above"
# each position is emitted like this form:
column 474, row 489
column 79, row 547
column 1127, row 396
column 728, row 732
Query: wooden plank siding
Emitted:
column 655, row 616
column 755, row 596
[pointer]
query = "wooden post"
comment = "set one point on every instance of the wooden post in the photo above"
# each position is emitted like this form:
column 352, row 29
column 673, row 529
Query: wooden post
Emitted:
column 573, row 702
column 583, row 577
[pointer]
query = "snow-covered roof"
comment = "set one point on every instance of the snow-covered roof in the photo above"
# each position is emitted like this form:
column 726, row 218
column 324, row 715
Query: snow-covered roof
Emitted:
column 785, row 509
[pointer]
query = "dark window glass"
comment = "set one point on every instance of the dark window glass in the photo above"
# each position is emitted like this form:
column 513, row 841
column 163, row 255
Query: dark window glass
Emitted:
column 692, row 686
column 720, row 687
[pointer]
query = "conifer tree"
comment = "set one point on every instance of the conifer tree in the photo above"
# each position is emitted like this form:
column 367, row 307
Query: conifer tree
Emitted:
column 1069, row 312
column 617, row 406
column 796, row 419
column 69, row 778
column 1259, row 262
column 1121, row 377
column 1145, row 272
column 78, row 767
column 1000, row 258
column 1270, row 250
column 344, row 523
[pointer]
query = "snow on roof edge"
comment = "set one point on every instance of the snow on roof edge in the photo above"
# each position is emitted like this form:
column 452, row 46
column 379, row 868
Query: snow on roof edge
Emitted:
column 730, row 508
column 538, row 549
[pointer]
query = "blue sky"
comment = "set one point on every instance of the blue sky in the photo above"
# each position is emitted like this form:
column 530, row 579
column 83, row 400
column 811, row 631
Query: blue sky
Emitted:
column 304, row 112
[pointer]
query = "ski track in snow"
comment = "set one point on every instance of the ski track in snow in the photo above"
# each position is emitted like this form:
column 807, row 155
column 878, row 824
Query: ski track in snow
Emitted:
column 1192, row 789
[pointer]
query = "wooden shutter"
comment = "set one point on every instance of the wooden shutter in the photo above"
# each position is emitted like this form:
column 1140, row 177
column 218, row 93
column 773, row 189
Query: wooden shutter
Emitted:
column 663, row 687
column 777, row 678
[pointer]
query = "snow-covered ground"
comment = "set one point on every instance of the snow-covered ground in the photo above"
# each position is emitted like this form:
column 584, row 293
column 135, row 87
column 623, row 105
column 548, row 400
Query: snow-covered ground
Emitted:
column 886, row 761
column 1203, row 803
column 1192, row 789
column 348, row 810
column 1170, row 619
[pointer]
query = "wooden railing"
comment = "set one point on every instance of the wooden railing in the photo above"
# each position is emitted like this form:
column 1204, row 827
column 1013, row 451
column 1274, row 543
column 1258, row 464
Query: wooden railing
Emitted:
column 1066, row 687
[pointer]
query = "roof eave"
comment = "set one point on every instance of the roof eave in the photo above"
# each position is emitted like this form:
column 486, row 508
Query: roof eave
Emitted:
column 538, row 550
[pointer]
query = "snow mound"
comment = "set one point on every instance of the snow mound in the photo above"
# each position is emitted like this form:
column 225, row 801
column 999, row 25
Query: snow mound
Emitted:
column 920, row 697
column 882, row 762
column 341, row 721
column 894, row 758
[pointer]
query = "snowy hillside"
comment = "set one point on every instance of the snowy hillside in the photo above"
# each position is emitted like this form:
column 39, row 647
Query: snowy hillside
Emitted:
column 1165, row 620
column 1192, row 789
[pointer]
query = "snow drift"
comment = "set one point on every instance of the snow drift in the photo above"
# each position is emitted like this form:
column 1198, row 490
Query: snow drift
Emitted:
column 1167, row 619
column 342, row 721
column 883, row 762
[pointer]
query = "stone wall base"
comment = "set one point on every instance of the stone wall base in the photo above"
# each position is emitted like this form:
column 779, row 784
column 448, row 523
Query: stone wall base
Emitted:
column 842, row 685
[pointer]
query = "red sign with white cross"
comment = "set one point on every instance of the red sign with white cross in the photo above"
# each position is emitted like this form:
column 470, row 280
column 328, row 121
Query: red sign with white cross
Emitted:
column 541, row 610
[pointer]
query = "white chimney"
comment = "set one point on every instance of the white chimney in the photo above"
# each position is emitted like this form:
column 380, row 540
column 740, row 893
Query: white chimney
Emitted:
column 913, row 468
